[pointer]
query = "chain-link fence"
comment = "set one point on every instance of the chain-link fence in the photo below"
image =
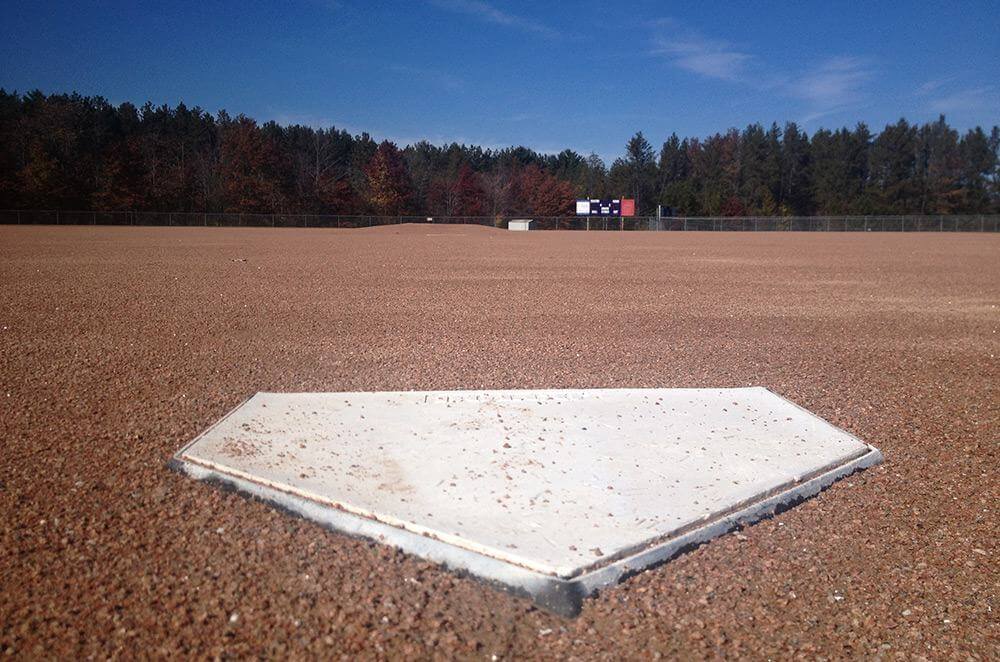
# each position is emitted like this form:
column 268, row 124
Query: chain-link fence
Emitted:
column 193, row 219
column 952, row 223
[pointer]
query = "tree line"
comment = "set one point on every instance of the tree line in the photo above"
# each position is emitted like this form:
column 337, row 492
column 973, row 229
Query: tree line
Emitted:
column 67, row 151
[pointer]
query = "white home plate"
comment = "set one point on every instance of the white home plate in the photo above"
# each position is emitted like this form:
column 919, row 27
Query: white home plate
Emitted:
column 550, row 493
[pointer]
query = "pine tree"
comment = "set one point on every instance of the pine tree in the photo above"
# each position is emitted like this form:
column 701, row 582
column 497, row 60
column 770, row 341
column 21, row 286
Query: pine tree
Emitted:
column 638, row 170
column 755, row 179
column 893, row 167
column 795, row 189
column 976, row 160
column 938, row 172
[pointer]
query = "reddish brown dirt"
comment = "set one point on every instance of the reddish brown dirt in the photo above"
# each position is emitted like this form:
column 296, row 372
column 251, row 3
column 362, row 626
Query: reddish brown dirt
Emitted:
column 120, row 344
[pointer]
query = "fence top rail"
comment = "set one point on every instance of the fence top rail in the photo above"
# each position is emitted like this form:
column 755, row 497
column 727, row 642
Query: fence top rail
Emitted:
column 870, row 222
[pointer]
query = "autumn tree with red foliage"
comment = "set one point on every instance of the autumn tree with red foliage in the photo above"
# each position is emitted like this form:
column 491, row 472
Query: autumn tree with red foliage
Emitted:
column 388, row 181
column 250, row 167
column 539, row 193
column 119, row 178
column 733, row 206
column 441, row 197
column 469, row 194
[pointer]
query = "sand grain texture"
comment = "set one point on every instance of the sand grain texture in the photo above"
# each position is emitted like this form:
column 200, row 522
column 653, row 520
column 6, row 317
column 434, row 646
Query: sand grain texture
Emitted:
column 119, row 345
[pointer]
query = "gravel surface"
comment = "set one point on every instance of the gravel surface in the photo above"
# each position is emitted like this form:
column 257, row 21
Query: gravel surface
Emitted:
column 118, row 345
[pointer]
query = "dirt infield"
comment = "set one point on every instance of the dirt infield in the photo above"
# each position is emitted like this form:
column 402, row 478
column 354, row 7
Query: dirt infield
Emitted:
column 118, row 345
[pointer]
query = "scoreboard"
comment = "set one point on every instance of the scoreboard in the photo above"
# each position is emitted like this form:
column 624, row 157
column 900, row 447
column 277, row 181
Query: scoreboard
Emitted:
column 599, row 207
column 605, row 207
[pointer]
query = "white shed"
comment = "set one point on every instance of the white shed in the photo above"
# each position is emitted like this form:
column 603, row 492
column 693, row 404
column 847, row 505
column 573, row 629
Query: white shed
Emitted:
column 519, row 224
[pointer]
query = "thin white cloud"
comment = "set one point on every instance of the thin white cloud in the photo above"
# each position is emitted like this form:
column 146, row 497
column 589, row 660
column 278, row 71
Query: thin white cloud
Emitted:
column 933, row 85
column 947, row 95
column 833, row 85
column 487, row 12
column 967, row 100
column 707, row 57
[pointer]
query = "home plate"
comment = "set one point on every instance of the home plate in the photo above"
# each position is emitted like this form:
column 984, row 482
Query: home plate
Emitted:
column 552, row 494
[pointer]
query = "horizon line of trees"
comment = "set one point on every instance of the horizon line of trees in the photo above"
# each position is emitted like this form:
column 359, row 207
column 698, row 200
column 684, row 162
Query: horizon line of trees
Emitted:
column 67, row 151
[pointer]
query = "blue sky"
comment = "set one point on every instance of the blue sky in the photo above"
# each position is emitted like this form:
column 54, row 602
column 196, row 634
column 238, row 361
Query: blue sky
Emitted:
column 548, row 75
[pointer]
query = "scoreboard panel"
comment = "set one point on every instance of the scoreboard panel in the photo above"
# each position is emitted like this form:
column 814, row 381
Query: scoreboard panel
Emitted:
column 605, row 207
column 599, row 207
